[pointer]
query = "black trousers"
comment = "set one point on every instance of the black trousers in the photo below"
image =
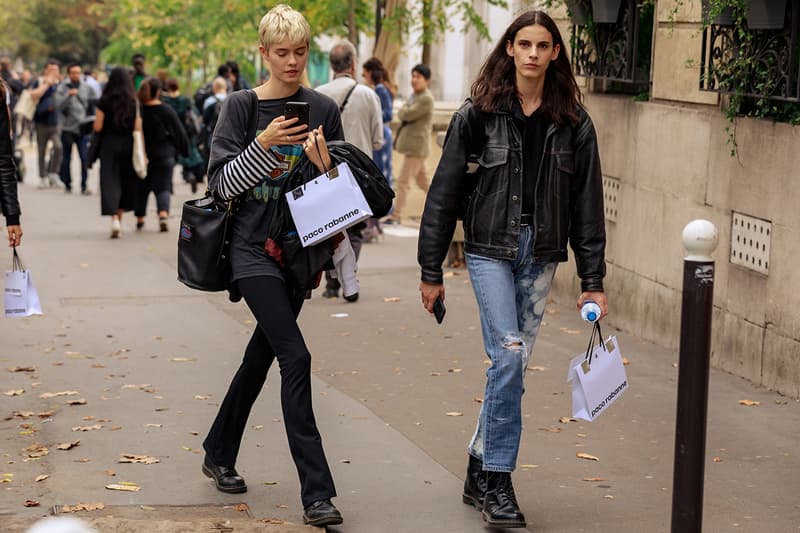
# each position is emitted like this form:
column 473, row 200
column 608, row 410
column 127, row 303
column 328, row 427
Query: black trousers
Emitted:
column 276, row 336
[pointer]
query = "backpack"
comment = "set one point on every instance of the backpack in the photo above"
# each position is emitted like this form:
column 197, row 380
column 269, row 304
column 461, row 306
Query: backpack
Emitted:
column 202, row 94
column 210, row 117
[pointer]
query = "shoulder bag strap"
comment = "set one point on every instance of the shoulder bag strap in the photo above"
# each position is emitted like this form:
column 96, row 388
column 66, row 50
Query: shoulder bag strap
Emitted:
column 347, row 97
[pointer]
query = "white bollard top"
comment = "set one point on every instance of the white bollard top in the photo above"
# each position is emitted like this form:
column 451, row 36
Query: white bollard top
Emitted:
column 700, row 238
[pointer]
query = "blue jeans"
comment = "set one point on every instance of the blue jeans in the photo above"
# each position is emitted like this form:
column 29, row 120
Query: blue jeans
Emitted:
column 511, row 299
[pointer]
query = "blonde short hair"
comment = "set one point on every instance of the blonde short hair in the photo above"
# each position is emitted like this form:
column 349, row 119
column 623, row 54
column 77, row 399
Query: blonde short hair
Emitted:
column 283, row 23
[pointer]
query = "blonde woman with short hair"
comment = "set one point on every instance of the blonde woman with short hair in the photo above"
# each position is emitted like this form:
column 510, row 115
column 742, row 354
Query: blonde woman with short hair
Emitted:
column 251, row 171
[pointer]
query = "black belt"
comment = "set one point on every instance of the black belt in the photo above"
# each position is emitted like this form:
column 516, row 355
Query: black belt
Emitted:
column 526, row 220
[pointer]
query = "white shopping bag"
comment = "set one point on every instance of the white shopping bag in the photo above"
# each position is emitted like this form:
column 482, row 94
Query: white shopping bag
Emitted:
column 20, row 297
column 598, row 377
column 327, row 205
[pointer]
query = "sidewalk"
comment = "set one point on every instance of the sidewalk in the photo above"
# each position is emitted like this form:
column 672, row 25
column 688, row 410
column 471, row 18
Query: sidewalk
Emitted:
column 152, row 359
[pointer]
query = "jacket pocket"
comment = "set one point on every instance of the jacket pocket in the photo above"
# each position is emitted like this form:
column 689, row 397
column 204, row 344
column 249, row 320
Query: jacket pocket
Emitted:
column 493, row 176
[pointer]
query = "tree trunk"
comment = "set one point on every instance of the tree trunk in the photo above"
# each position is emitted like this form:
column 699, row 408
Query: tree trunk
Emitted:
column 427, row 11
column 387, row 46
column 352, row 27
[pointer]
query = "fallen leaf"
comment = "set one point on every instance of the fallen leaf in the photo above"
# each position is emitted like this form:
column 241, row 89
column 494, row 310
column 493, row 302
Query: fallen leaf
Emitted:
column 88, row 428
column 340, row 315
column 749, row 403
column 82, row 507
column 24, row 415
column 34, row 451
column 455, row 370
column 31, row 503
column 110, row 473
column 47, row 395
column 454, row 413
column 142, row 459
column 79, row 401
column 345, row 461
column 124, row 486
column 436, row 374
column 241, row 507
column 203, row 396
column 14, row 392
column 566, row 420
column 98, row 365
column 625, row 361
column 154, row 425
column 391, row 299
column 83, row 460
column 22, row 369
column 282, row 506
column 115, row 428
column 270, row 483
column 147, row 508
column 717, row 459
column 258, row 427
column 570, row 331
column 477, row 399
column 608, row 497
column 536, row 369
column 41, row 477
column 183, row 359
column 581, row 455
column 67, row 445
column 274, row 521
column 551, row 429
column 45, row 414
column 88, row 418
column 594, row 479
column 529, row 466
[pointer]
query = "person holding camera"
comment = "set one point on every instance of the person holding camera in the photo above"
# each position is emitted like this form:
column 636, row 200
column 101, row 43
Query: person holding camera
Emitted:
column 520, row 164
column 45, row 118
column 250, row 171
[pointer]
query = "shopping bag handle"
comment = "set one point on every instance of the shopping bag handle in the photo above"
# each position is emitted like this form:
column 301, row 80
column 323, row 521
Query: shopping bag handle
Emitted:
column 590, row 349
column 16, row 262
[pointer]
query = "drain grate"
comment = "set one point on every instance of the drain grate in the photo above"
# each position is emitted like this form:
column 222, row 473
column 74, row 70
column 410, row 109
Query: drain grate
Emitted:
column 611, row 187
column 751, row 238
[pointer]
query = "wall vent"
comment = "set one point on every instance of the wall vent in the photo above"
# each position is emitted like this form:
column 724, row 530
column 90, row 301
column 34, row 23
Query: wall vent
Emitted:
column 750, row 242
column 611, row 190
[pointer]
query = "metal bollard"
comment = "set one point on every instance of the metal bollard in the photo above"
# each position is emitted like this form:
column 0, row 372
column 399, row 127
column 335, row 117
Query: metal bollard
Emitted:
column 700, row 239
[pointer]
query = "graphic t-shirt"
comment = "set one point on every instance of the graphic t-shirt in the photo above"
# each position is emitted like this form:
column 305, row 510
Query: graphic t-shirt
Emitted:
column 256, row 205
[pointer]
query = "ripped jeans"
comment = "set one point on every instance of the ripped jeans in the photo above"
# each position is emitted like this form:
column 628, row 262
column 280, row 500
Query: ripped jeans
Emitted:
column 511, row 299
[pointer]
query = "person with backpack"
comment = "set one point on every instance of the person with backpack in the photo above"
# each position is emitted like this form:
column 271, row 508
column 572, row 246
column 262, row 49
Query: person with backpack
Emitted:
column 192, row 164
column 45, row 119
column 211, row 109
column 536, row 186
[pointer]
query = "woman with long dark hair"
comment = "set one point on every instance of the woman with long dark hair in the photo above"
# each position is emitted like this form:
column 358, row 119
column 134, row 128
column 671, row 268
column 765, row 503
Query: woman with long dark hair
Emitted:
column 164, row 140
column 520, row 164
column 114, row 123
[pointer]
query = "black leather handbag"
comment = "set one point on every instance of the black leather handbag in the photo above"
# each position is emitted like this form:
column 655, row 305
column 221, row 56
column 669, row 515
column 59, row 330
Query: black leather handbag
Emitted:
column 203, row 245
column 204, row 237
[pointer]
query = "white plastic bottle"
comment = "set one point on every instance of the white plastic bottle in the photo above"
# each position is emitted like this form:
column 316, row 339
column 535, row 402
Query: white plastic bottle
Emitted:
column 590, row 311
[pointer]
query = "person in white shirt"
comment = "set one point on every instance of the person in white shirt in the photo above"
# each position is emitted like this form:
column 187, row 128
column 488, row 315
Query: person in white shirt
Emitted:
column 362, row 122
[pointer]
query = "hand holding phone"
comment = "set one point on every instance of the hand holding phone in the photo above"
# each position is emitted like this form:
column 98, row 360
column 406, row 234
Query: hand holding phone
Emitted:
column 299, row 110
column 439, row 309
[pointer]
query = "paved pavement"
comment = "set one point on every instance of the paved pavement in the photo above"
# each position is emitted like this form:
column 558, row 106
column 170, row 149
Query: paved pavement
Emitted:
column 152, row 359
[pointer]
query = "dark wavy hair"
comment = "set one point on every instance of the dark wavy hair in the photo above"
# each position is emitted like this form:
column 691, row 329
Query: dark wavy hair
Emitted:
column 120, row 96
column 377, row 73
column 496, row 85
column 148, row 89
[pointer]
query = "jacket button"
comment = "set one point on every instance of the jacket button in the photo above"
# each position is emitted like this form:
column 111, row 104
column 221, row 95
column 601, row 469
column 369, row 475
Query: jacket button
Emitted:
column 513, row 223
column 516, row 170
column 515, row 197
column 510, row 253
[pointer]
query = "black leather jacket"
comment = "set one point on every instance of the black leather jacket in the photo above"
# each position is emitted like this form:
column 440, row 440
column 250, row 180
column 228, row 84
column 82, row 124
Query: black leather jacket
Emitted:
column 9, row 204
column 568, row 195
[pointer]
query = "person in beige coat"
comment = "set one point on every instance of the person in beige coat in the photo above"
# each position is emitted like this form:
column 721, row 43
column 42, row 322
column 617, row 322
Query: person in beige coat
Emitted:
column 414, row 137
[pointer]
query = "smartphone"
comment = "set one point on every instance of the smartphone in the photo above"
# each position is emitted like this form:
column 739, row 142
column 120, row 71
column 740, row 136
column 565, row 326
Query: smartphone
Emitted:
column 439, row 309
column 299, row 110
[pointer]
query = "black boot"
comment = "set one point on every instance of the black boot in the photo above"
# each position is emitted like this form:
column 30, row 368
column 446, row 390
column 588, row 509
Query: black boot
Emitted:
column 500, row 506
column 474, row 484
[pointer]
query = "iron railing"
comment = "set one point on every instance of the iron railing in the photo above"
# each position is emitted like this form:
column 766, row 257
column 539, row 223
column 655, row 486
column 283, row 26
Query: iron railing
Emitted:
column 610, row 51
